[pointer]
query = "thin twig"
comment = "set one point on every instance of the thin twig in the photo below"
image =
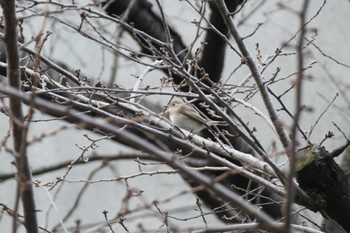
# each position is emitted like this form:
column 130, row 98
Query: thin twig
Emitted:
column 290, row 189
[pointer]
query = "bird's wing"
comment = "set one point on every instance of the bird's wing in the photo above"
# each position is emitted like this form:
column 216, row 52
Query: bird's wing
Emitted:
column 192, row 113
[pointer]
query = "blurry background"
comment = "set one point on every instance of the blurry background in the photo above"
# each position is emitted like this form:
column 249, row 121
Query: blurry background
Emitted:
column 329, row 68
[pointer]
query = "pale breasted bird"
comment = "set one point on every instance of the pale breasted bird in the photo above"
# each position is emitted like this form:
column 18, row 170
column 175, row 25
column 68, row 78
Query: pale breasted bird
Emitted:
column 187, row 118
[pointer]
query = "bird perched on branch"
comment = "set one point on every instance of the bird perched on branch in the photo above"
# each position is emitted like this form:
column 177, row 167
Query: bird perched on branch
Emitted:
column 187, row 118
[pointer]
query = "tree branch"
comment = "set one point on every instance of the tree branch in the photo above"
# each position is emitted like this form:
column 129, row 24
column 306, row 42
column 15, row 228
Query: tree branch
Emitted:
column 19, row 128
column 170, row 158
column 248, row 59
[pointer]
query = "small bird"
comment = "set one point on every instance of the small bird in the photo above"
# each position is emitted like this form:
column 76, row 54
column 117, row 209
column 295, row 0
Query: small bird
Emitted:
column 187, row 118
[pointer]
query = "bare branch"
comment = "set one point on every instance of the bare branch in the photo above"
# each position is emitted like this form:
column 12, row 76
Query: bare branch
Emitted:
column 248, row 59
column 19, row 129
column 171, row 159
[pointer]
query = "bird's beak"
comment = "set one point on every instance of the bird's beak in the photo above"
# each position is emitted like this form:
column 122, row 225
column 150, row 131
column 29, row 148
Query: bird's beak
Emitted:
column 166, row 109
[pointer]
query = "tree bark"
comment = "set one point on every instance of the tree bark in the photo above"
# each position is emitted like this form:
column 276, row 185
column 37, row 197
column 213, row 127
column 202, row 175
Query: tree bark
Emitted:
column 323, row 180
